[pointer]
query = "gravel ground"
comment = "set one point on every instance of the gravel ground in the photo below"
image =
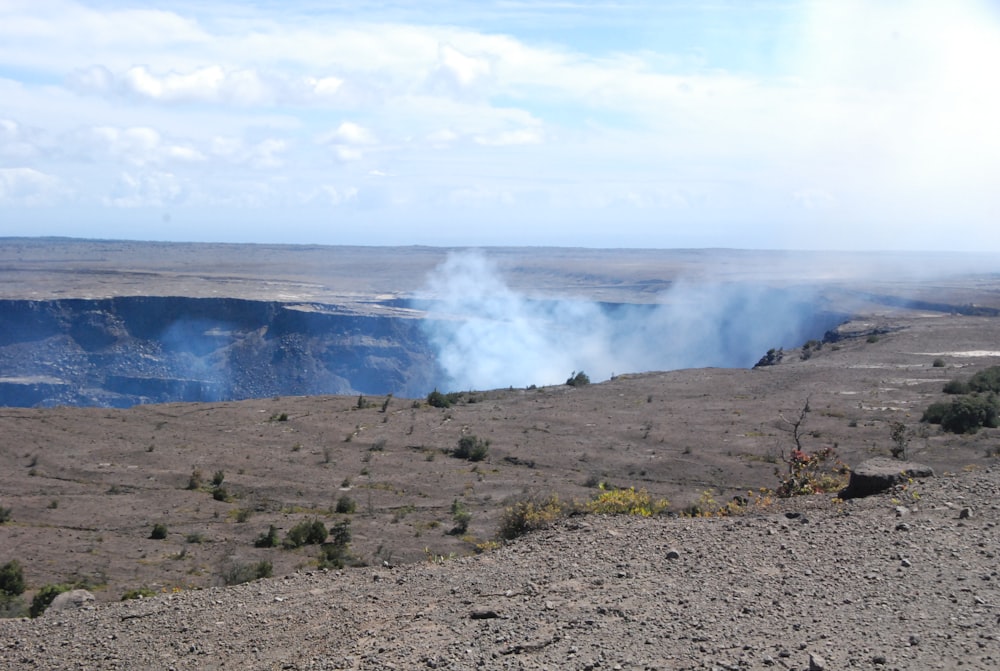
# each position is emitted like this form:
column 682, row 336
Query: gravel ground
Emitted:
column 903, row 580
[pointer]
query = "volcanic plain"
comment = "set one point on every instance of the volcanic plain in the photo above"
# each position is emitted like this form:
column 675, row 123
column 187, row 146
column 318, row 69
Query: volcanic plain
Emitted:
column 842, row 583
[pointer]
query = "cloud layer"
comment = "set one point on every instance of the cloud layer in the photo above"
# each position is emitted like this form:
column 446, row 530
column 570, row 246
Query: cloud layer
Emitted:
column 804, row 124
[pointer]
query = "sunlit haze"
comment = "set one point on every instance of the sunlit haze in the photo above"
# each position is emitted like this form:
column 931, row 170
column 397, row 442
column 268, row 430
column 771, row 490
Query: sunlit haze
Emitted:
column 819, row 124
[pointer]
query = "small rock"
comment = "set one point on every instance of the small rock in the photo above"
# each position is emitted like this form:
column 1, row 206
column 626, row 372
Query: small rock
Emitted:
column 816, row 663
column 902, row 511
column 673, row 554
column 484, row 614
column 965, row 513
column 879, row 659
column 902, row 526
column 914, row 639
column 905, row 563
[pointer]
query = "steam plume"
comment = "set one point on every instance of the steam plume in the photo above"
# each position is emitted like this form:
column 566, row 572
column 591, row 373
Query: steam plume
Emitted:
column 488, row 336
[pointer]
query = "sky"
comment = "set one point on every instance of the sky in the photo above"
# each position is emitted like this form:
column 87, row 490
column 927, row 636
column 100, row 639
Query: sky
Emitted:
column 762, row 124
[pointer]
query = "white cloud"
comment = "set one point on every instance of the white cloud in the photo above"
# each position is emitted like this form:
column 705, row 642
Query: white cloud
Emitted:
column 145, row 189
column 349, row 133
column 339, row 195
column 27, row 186
column 512, row 137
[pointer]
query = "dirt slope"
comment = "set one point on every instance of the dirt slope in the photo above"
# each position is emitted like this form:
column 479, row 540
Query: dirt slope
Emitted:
column 880, row 583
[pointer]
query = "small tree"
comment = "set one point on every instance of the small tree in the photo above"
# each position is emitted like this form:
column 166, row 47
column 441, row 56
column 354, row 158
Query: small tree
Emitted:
column 578, row 379
column 11, row 579
column 334, row 553
column 900, row 438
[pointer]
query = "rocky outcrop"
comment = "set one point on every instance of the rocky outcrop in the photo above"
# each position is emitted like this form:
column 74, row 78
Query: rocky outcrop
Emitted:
column 879, row 474
column 71, row 600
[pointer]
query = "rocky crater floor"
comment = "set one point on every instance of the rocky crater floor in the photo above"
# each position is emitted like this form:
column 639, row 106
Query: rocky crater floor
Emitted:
column 903, row 580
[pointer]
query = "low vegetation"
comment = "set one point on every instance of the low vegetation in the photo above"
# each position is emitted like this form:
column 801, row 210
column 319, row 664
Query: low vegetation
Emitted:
column 471, row 448
column 976, row 404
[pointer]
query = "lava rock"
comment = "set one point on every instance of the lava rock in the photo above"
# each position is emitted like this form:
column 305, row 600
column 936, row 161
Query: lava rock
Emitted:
column 879, row 474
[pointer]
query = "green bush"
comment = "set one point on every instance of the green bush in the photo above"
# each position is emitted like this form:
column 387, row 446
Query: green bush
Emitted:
column 305, row 533
column 11, row 579
column 346, row 505
column 237, row 574
column 935, row 412
column 968, row 414
column 956, row 387
column 4, row 514
column 159, row 532
column 269, row 539
column 987, row 380
column 44, row 597
column 218, row 477
column 461, row 516
column 220, row 494
column 471, row 448
column 436, row 399
column 335, row 553
column 578, row 379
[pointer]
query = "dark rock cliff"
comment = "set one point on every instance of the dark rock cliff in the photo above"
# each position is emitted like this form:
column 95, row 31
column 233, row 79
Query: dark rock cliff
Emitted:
column 128, row 350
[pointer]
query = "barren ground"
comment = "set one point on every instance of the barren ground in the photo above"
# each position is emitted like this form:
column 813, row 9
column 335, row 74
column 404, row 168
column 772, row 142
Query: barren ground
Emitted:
column 85, row 487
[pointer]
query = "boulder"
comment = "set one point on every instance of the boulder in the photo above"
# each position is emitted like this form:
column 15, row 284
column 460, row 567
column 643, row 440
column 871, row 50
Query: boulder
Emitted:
column 71, row 600
column 879, row 474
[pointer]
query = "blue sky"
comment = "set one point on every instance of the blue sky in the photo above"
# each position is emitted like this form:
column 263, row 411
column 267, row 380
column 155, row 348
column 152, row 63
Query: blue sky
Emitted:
column 819, row 124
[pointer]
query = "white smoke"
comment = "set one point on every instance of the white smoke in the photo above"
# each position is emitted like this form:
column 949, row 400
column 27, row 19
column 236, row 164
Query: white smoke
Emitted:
column 488, row 336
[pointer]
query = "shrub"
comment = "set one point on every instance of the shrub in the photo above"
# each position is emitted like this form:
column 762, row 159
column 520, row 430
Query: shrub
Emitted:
column 194, row 482
column 218, row 477
column 528, row 515
column 237, row 574
column 335, row 553
column 269, row 539
column 772, row 358
column 436, row 399
column 471, row 448
column 938, row 363
column 986, row 380
column 956, row 387
column 967, row 414
column 220, row 494
column 44, row 597
column 138, row 593
column 346, row 505
column 626, row 502
column 812, row 474
column 935, row 412
column 578, row 379
column 4, row 514
column 305, row 533
column 159, row 532
column 11, row 579
column 461, row 516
